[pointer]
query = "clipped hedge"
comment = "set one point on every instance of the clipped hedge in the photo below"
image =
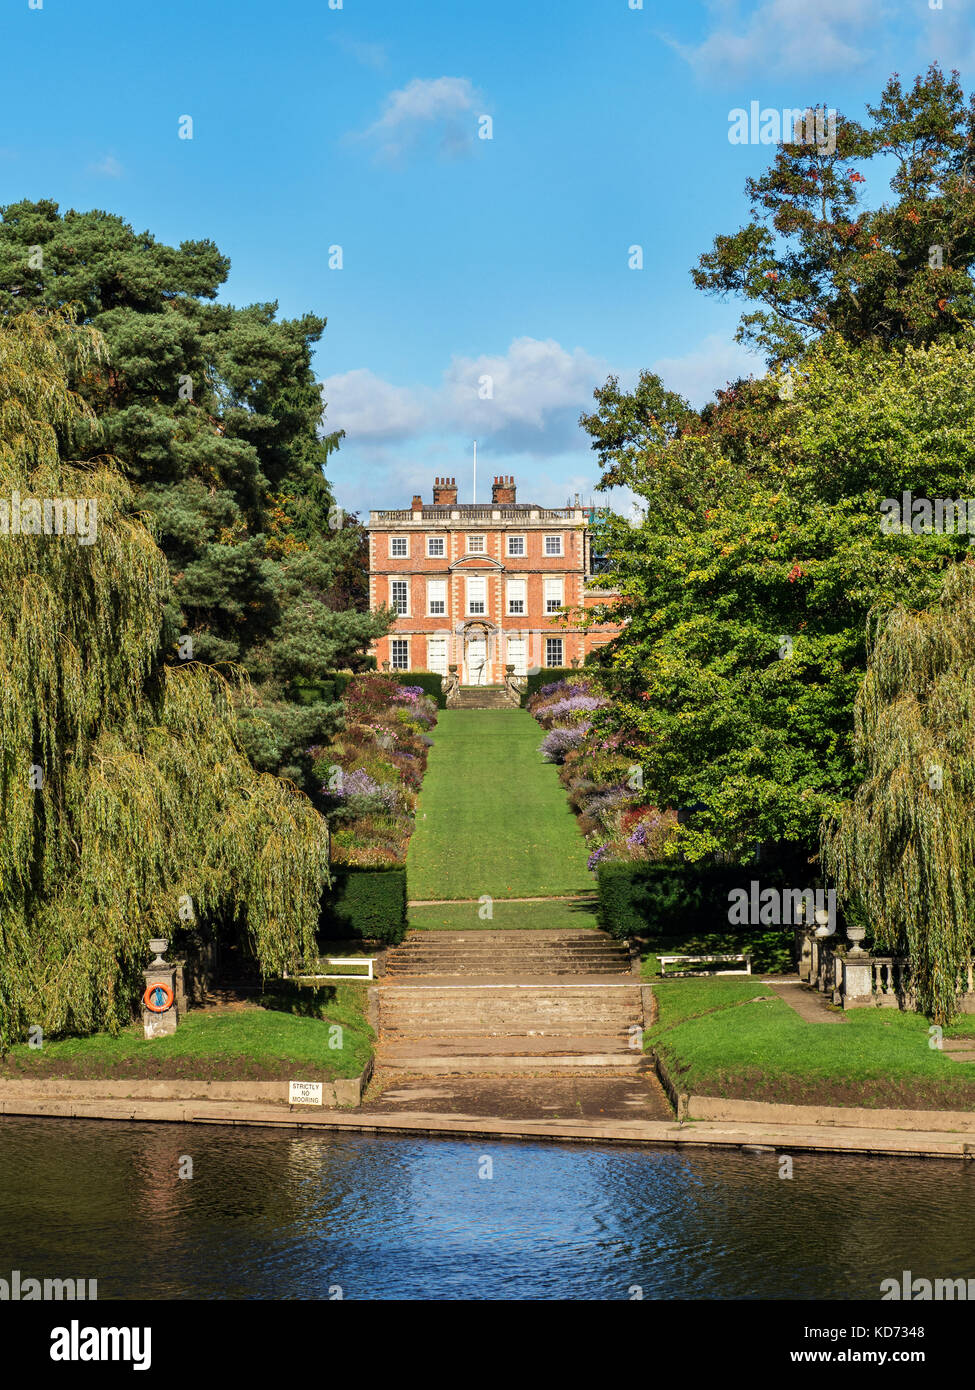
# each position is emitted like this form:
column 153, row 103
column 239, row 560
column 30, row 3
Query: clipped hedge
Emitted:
column 547, row 676
column 679, row 900
column 328, row 691
column 432, row 683
column 364, row 902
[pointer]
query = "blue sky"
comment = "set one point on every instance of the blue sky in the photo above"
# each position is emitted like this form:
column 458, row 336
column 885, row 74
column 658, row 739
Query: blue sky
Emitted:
column 469, row 266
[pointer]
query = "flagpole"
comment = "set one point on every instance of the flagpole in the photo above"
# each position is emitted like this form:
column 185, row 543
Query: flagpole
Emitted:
column 474, row 498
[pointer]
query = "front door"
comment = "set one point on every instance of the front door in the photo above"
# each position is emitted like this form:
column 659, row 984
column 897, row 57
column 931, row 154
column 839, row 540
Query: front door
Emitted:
column 476, row 661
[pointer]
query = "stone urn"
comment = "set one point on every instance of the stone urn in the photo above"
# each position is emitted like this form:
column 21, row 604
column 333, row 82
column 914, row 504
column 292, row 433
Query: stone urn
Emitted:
column 823, row 927
column 855, row 935
column 158, row 944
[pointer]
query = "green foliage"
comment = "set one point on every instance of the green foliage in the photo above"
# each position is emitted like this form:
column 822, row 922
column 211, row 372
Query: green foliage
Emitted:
column 548, row 675
column 367, row 903
column 690, row 902
column 903, row 848
column 124, row 791
column 816, row 258
column 325, row 692
column 214, row 414
column 748, row 581
column 428, row 680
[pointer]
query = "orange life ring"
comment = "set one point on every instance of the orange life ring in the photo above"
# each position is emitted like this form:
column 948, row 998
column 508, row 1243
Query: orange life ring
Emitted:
column 157, row 1008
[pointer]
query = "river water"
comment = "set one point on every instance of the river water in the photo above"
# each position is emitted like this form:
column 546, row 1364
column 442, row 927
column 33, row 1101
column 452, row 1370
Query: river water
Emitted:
column 274, row 1215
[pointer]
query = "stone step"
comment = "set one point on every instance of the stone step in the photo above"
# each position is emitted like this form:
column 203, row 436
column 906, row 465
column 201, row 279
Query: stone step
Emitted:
column 570, row 950
column 526, row 1019
column 573, row 1055
column 509, row 964
column 441, row 968
column 481, row 697
column 513, row 937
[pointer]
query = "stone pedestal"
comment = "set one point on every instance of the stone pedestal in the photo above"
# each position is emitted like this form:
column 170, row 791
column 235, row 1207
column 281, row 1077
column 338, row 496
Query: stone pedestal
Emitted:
column 857, row 981
column 804, row 955
column 158, row 1025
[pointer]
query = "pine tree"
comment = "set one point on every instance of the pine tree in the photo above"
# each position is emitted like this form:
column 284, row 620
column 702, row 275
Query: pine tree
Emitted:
column 214, row 415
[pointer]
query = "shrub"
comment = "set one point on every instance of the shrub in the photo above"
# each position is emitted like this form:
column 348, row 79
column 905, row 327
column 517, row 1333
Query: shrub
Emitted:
column 365, row 903
column 570, row 710
column 428, row 681
column 545, row 678
column 579, row 791
column 685, row 901
column 558, row 742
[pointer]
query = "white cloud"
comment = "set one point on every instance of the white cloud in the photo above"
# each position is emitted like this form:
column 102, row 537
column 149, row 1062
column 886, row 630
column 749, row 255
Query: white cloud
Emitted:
column 441, row 106
column 527, row 399
column 368, row 408
column 109, row 167
column 708, row 368
column 525, row 394
column 785, row 36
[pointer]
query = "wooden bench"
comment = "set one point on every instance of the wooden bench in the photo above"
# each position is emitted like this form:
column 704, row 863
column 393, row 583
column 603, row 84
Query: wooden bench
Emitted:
column 367, row 961
column 742, row 956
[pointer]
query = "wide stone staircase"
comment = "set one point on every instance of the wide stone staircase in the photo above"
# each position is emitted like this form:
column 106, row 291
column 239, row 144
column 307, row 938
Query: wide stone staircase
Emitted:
column 510, row 1002
column 481, row 697
column 508, row 952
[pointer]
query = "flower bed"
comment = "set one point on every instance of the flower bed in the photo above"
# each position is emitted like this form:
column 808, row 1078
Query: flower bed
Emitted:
column 603, row 785
column 373, row 769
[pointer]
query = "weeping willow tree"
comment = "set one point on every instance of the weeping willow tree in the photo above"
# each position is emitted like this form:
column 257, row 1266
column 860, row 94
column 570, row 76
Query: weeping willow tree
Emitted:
column 125, row 798
column 903, row 849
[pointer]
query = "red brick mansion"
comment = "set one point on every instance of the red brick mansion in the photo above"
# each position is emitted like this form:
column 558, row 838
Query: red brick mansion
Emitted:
column 482, row 585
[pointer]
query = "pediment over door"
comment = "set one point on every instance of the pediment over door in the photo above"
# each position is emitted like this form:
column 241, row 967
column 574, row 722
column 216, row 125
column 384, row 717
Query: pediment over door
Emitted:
column 477, row 562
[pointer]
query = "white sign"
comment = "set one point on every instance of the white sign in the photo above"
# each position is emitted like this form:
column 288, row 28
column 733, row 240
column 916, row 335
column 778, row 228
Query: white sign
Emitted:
column 305, row 1093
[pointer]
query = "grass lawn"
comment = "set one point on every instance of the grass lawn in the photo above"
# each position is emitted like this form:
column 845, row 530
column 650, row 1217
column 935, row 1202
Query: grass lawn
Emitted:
column 285, row 1038
column 554, row 915
column 728, row 1037
column 492, row 816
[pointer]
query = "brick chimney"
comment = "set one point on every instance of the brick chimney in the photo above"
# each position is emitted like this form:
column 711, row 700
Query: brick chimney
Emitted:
column 417, row 503
column 503, row 491
column 445, row 492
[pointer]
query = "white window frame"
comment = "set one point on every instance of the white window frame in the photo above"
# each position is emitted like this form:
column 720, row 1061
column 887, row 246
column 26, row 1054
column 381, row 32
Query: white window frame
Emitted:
column 522, row 541
column 393, row 583
column 395, row 642
column 436, row 554
column 554, row 665
column 524, row 654
column 440, row 641
column 553, row 605
column 395, row 554
column 520, row 596
column 472, row 612
column 439, row 585
column 558, row 541
column 472, row 549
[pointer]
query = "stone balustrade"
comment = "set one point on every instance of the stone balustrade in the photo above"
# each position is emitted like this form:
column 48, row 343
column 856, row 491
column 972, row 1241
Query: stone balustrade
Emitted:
column 858, row 980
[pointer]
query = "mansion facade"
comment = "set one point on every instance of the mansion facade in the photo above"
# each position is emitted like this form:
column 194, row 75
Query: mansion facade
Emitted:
column 482, row 586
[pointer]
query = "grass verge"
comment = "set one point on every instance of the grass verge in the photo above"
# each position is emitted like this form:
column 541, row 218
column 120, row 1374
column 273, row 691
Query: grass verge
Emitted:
column 288, row 1036
column 728, row 1037
column 550, row 915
